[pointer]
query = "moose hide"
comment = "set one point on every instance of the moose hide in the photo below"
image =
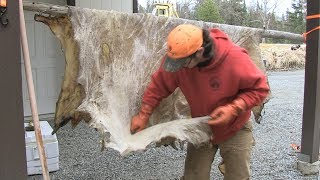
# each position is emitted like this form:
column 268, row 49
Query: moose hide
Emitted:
column 110, row 57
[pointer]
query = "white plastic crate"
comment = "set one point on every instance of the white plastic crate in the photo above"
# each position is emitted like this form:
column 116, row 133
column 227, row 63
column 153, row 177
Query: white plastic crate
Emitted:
column 50, row 144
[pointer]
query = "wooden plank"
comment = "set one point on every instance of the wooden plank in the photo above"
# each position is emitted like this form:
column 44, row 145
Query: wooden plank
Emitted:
column 311, row 112
column 45, row 8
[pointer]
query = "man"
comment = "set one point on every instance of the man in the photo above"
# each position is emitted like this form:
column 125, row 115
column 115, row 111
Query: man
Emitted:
column 219, row 79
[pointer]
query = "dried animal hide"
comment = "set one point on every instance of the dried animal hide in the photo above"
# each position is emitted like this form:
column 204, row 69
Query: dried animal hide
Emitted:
column 110, row 57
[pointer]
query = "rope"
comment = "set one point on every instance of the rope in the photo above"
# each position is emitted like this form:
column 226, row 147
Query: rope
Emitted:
column 314, row 29
column 3, row 3
column 313, row 16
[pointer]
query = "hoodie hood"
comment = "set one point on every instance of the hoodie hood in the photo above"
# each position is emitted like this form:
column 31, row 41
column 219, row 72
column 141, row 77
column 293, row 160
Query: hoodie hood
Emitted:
column 222, row 45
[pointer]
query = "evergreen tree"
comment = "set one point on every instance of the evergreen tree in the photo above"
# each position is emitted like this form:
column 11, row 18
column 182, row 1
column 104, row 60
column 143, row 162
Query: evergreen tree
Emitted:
column 254, row 18
column 141, row 9
column 233, row 12
column 208, row 11
column 296, row 19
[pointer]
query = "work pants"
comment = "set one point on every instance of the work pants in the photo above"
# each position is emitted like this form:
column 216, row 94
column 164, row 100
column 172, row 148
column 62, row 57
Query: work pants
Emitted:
column 236, row 153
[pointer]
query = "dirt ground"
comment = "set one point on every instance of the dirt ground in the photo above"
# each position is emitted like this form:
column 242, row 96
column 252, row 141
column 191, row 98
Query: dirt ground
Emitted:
column 283, row 56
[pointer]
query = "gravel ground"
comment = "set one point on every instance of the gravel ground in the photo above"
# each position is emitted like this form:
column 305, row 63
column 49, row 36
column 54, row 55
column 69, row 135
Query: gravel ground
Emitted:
column 273, row 158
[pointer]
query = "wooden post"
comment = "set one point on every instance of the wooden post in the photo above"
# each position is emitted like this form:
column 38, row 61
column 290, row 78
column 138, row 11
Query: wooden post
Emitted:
column 71, row 2
column 135, row 6
column 311, row 110
column 13, row 164
column 32, row 96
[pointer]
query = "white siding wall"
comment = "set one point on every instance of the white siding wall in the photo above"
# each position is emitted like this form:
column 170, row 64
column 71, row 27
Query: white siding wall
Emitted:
column 47, row 59
column 47, row 64
column 117, row 5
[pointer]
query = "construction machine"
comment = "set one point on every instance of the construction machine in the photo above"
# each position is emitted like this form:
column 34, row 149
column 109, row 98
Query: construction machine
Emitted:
column 165, row 8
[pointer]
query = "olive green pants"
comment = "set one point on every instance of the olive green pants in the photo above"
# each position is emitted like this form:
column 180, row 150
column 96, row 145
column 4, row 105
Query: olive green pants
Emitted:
column 236, row 153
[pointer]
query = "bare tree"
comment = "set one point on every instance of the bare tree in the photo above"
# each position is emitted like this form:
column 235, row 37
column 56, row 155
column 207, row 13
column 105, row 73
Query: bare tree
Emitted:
column 267, row 12
column 264, row 12
column 185, row 8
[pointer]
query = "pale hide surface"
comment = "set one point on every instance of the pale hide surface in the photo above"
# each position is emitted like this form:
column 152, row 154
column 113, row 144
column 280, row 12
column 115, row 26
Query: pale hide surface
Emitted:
column 118, row 52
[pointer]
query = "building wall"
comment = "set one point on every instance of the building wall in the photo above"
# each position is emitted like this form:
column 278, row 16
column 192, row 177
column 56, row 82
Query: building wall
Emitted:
column 47, row 58
column 117, row 5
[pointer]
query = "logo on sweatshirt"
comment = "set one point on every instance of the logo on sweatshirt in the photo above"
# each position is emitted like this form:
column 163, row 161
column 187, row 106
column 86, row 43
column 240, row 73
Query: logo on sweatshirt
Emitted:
column 215, row 83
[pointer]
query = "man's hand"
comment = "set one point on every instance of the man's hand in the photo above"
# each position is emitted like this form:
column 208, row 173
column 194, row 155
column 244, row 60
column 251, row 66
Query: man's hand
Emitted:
column 223, row 115
column 140, row 121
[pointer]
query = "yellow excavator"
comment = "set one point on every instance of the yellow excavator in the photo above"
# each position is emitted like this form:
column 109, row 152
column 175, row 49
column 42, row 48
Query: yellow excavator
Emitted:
column 164, row 8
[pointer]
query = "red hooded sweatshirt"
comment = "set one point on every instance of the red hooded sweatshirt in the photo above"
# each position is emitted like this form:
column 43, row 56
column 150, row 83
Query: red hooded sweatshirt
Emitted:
column 230, row 74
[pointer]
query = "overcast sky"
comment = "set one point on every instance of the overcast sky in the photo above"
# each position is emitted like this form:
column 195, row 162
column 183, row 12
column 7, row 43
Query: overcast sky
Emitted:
column 282, row 6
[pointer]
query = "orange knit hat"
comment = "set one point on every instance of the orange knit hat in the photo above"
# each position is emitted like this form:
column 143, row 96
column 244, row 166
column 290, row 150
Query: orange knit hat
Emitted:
column 183, row 41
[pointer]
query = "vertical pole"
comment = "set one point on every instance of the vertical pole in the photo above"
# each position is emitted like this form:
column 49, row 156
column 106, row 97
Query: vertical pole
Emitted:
column 311, row 110
column 71, row 2
column 13, row 164
column 135, row 6
column 32, row 96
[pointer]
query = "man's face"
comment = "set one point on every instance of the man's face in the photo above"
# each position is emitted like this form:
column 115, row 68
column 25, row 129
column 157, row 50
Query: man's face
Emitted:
column 195, row 59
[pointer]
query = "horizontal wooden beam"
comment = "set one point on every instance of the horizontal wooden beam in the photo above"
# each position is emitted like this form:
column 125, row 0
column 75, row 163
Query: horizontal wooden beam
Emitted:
column 45, row 8
column 52, row 9
column 281, row 35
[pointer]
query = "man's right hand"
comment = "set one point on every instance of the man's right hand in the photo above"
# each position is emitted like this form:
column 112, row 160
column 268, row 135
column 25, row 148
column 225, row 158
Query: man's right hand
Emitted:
column 223, row 115
column 140, row 121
